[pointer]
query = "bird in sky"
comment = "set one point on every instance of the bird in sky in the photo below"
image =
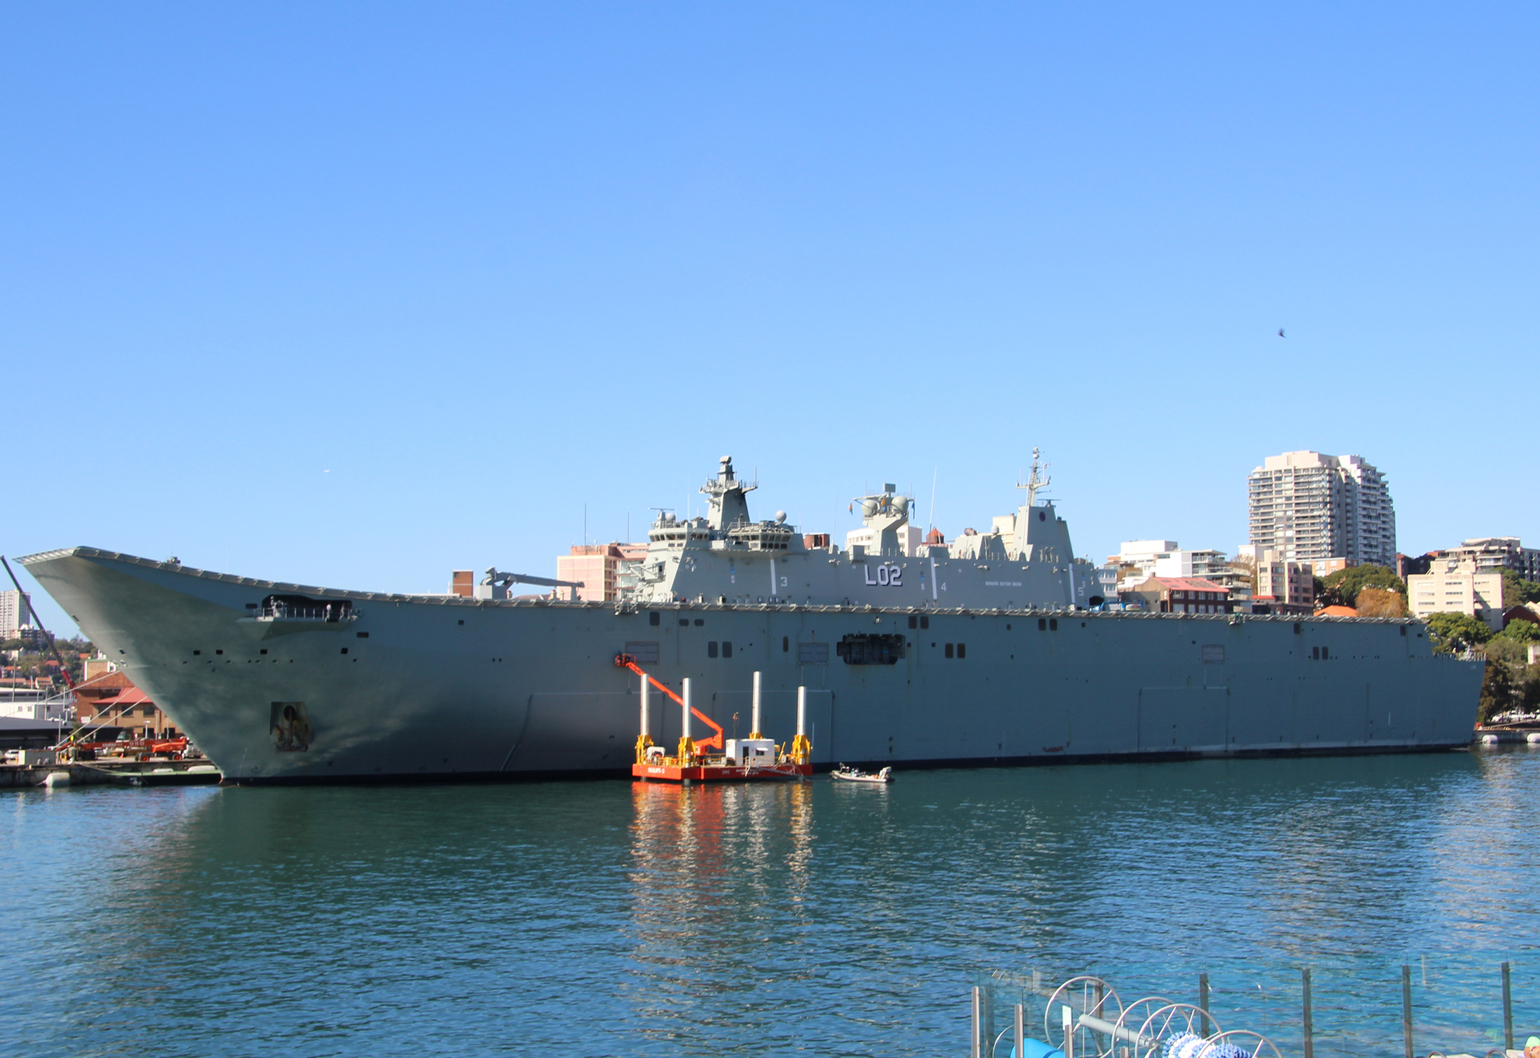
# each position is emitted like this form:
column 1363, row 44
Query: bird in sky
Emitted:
column 1280, row 333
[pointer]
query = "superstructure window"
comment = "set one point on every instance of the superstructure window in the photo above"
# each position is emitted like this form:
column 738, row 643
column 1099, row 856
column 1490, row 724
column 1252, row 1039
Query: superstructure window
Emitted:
column 949, row 650
column 727, row 648
column 711, row 649
column 654, row 618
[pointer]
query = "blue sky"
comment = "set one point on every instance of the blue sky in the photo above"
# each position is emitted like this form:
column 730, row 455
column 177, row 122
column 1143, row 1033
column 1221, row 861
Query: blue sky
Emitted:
column 358, row 294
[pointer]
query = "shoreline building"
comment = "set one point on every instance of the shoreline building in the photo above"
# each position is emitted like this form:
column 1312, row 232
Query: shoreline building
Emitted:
column 1493, row 554
column 1315, row 508
column 1180, row 595
column 108, row 699
column 1456, row 584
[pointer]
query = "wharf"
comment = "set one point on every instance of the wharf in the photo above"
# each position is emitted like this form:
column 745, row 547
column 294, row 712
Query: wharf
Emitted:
column 1520, row 733
column 111, row 773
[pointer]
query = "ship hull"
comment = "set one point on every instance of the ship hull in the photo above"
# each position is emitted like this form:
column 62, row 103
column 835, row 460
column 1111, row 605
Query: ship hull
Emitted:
column 439, row 687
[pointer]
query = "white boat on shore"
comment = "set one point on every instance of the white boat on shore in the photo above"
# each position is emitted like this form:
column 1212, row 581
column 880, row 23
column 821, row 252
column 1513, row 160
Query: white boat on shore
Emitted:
column 857, row 775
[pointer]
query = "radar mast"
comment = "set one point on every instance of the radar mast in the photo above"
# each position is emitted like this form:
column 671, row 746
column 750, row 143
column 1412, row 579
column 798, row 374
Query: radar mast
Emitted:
column 1033, row 482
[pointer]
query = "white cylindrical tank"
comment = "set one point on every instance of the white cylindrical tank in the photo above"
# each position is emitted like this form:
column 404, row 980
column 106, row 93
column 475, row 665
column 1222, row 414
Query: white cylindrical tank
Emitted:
column 801, row 710
column 646, row 694
column 754, row 727
column 685, row 731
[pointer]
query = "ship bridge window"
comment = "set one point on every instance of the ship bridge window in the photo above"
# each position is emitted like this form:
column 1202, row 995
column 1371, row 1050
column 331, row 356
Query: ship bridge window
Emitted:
column 711, row 649
column 654, row 618
column 864, row 649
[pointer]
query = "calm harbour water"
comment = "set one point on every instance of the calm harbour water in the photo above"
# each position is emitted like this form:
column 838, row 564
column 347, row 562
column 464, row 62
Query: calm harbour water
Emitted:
column 601, row 918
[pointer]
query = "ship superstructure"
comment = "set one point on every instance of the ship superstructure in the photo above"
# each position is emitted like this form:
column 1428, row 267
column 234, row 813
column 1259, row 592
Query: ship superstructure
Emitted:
column 724, row 557
column 992, row 648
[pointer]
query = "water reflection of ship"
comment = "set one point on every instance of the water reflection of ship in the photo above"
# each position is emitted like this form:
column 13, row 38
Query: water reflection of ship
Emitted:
column 694, row 852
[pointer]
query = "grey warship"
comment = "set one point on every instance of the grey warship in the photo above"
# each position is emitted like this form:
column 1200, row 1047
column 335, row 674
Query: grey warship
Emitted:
column 994, row 649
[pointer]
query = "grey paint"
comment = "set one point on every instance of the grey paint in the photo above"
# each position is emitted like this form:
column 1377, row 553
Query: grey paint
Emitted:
column 449, row 686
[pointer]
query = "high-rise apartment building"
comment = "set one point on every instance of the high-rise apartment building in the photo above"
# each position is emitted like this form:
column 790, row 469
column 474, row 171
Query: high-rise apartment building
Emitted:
column 1310, row 507
column 15, row 611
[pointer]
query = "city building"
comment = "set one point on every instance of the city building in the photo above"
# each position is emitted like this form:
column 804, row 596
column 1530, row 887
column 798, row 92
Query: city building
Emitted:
column 602, row 569
column 1179, row 595
column 1310, row 507
column 32, row 699
column 595, row 566
column 1283, row 585
column 1447, row 588
column 110, row 700
column 1493, row 554
column 1326, row 567
column 15, row 613
column 1138, row 560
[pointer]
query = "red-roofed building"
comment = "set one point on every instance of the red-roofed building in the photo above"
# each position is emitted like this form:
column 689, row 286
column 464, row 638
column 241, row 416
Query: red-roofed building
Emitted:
column 111, row 700
column 1180, row 595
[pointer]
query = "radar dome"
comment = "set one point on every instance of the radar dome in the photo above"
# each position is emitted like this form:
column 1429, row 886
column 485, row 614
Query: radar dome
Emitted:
column 780, row 516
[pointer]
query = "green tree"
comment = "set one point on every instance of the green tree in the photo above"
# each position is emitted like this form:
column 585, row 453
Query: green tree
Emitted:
column 1517, row 591
column 1520, row 631
column 1457, row 631
column 1497, row 690
column 1343, row 586
column 1530, row 693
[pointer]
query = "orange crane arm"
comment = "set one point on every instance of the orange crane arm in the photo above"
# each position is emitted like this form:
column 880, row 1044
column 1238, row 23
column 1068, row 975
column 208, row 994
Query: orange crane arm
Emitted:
column 626, row 661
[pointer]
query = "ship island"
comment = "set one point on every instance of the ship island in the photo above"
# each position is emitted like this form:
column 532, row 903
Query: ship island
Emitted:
column 996, row 649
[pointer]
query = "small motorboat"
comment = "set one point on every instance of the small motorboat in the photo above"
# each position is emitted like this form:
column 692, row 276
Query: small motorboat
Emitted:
column 857, row 775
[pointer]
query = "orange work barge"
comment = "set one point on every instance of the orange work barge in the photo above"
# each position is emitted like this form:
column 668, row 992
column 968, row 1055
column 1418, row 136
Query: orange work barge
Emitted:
column 735, row 759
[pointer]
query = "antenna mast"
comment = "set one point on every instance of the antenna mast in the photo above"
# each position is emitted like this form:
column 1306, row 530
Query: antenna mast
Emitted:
column 1033, row 482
